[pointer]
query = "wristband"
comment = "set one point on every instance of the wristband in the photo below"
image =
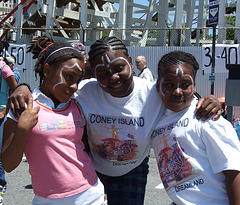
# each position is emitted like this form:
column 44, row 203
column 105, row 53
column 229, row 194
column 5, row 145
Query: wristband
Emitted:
column 29, row 87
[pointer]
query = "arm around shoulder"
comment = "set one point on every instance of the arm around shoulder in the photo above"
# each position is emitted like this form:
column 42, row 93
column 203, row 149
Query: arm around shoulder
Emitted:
column 18, row 99
column 207, row 107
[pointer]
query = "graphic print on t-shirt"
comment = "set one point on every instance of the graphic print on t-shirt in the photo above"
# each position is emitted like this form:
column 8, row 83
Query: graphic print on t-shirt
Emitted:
column 116, row 143
column 175, row 166
column 114, row 149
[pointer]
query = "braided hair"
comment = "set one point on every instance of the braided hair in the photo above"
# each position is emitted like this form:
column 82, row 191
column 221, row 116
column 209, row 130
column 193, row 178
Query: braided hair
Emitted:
column 47, row 51
column 106, row 44
column 177, row 58
column 3, row 44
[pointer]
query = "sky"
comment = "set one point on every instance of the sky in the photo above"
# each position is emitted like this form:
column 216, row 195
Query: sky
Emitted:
column 142, row 2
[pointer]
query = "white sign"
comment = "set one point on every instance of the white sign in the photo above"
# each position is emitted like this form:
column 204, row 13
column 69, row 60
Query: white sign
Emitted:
column 224, row 54
column 18, row 53
column 213, row 2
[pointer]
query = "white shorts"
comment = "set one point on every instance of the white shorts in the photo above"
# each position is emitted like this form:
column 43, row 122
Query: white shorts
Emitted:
column 92, row 196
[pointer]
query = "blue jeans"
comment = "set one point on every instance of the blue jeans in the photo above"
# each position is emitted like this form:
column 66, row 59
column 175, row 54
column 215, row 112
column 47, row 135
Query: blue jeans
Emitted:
column 2, row 172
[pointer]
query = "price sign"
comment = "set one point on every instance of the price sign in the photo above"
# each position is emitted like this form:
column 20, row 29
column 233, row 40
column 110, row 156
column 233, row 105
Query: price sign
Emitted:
column 224, row 54
column 18, row 53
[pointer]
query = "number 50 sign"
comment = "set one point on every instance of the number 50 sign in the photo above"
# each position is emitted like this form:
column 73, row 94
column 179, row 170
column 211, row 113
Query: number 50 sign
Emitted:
column 224, row 54
column 18, row 53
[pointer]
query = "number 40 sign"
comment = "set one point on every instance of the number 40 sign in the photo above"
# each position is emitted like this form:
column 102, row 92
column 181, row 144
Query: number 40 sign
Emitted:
column 224, row 54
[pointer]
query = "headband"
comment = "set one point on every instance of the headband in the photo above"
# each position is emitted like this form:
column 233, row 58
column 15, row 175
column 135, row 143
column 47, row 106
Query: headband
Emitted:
column 49, row 44
column 56, row 52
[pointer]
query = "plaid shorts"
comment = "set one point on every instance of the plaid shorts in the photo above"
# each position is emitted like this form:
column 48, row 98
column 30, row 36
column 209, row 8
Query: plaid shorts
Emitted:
column 128, row 189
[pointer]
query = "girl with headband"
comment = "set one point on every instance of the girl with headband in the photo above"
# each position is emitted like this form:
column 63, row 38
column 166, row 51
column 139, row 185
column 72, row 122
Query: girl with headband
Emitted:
column 51, row 129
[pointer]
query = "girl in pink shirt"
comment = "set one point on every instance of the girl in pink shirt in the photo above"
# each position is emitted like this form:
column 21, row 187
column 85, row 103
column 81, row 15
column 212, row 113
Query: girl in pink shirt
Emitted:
column 51, row 129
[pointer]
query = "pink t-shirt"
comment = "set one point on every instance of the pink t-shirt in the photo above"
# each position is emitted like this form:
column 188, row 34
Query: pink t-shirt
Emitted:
column 57, row 163
column 6, row 71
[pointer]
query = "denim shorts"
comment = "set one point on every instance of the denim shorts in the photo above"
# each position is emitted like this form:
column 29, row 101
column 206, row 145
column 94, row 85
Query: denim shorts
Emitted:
column 128, row 189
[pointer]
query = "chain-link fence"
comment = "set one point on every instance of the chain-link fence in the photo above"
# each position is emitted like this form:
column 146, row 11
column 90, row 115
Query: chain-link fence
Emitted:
column 168, row 36
column 136, row 36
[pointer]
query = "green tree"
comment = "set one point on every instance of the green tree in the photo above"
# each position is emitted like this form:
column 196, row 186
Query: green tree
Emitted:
column 230, row 32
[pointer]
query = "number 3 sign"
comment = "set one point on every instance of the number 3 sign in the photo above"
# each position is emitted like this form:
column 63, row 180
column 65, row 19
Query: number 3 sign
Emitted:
column 224, row 54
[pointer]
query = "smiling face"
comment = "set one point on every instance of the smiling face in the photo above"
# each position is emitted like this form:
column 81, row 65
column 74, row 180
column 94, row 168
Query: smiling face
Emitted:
column 113, row 71
column 176, row 87
column 60, row 83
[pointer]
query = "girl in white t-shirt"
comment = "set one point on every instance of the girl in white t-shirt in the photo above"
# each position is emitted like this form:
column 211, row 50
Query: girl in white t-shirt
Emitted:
column 198, row 160
column 51, row 129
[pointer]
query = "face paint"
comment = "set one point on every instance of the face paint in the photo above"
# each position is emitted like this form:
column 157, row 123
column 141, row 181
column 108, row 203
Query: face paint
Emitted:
column 177, row 71
column 114, row 72
column 61, row 82
column 179, row 74
column 109, row 62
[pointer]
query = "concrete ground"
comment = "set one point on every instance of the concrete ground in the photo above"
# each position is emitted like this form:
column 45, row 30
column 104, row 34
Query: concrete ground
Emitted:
column 19, row 190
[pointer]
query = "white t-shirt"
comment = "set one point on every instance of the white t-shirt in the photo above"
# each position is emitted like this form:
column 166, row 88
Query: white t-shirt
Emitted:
column 119, row 129
column 191, row 155
column 146, row 74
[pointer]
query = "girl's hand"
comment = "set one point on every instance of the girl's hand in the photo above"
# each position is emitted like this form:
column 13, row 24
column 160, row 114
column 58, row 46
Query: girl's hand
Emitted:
column 207, row 107
column 29, row 117
column 17, row 100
